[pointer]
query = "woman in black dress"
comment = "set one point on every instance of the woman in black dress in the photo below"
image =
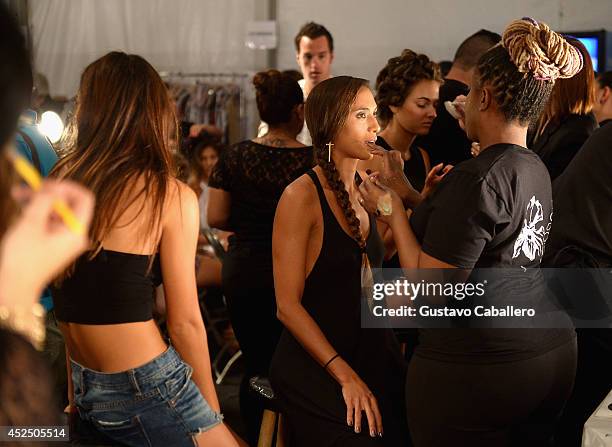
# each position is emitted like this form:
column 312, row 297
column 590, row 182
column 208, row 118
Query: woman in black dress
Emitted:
column 245, row 187
column 327, row 370
column 485, row 387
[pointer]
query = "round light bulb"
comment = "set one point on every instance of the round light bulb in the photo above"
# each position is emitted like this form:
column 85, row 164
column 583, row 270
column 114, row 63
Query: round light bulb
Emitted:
column 51, row 126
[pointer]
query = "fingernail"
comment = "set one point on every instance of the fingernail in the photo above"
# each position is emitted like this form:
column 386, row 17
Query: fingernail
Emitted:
column 357, row 430
column 372, row 434
column 350, row 423
column 380, row 434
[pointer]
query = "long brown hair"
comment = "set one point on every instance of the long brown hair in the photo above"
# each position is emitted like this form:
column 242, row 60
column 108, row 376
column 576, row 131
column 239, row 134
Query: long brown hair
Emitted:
column 326, row 112
column 122, row 130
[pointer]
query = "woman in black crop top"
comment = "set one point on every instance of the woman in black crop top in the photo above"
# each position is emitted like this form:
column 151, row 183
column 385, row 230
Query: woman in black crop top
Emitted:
column 245, row 188
column 126, row 382
column 484, row 387
column 338, row 384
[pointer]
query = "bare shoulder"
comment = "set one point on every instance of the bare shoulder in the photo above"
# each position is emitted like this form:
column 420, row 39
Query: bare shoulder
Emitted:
column 298, row 200
column 181, row 200
column 301, row 192
column 179, row 193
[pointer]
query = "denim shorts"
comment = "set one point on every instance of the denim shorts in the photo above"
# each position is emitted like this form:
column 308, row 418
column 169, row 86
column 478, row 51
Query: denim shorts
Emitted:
column 156, row 404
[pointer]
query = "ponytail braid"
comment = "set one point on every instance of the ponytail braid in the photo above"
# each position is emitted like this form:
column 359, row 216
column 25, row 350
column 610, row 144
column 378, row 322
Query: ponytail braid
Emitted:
column 339, row 188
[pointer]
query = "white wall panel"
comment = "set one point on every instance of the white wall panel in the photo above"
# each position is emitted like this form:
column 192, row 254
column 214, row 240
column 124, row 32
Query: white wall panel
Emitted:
column 185, row 35
column 368, row 33
column 208, row 35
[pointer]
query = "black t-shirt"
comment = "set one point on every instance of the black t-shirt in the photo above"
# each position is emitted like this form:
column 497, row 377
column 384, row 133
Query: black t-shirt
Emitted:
column 446, row 142
column 256, row 176
column 583, row 201
column 493, row 211
column 414, row 167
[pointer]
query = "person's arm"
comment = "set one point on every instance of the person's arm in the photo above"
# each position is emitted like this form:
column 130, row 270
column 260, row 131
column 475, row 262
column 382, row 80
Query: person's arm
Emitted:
column 294, row 225
column 221, row 184
column 219, row 206
column 390, row 172
column 409, row 249
column 40, row 243
column 184, row 320
column 456, row 231
column 387, row 238
column 426, row 161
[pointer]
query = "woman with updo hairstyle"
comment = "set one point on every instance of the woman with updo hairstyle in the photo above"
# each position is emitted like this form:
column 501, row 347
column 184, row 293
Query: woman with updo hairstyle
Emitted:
column 567, row 120
column 338, row 383
column 245, row 187
column 407, row 96
column 478, row 384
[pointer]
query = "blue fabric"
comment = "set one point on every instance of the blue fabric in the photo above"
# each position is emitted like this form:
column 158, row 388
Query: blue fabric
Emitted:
column 156, row 404
column 46, row 153
column 48, row 158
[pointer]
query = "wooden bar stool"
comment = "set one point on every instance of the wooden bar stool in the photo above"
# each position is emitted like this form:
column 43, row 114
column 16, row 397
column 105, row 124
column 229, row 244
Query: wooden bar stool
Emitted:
column 271, row 429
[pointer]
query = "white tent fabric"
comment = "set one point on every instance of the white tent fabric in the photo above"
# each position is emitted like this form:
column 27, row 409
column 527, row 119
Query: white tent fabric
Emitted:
column 177, row 35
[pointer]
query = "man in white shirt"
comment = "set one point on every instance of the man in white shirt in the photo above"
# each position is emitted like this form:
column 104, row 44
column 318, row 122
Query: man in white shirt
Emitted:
column 314, row 47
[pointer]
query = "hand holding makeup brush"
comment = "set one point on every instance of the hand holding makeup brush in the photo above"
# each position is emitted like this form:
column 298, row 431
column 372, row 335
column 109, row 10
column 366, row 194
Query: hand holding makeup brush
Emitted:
column 39, row 245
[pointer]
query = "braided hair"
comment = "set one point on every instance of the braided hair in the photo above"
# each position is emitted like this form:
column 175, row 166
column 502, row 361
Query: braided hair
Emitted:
column 522, row 69
column 535, row 48
column 326, row 112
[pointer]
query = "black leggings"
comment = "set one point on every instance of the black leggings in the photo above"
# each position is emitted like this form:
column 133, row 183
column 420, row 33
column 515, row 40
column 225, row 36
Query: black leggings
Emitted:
column 249, row 291
column 503, row 404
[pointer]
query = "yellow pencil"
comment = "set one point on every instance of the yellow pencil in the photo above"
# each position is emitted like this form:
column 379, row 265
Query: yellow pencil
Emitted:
column 31, row 176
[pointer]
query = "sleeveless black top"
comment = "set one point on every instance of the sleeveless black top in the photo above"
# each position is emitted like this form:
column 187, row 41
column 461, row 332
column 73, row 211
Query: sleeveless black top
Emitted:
column 333, row 287
column 332, row 297
column 112, row 288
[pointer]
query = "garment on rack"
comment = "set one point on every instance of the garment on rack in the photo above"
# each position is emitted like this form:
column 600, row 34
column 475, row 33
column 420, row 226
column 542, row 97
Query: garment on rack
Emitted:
column 216, row 99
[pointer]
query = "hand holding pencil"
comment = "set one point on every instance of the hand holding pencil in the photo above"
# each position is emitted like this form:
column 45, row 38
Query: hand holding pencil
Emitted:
column 43, row 241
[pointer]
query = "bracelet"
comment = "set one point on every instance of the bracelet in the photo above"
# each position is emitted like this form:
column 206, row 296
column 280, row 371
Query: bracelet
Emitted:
column 331, row 360
column 27, row 321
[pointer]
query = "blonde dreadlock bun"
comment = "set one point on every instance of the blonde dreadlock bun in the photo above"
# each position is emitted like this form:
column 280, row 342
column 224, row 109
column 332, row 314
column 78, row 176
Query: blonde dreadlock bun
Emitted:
column 535, row 48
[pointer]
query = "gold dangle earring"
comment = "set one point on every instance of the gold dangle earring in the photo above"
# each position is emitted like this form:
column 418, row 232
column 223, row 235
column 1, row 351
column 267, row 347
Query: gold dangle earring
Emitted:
column 329, row 149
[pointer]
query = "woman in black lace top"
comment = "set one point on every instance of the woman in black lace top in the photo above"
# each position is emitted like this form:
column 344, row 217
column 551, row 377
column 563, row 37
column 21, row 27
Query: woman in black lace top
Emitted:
column 245, row 188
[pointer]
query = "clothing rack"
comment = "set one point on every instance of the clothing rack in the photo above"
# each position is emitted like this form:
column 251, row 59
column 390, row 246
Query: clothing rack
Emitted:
column 220, row 79
column 180, row 74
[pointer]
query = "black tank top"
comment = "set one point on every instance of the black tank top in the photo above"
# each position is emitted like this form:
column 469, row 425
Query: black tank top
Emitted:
column 112, row 288
column 332, row 290
column 332, row 297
